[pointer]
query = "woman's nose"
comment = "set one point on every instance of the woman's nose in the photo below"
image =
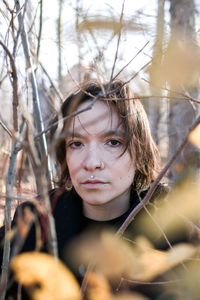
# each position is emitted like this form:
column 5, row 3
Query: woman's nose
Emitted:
column 93, row 161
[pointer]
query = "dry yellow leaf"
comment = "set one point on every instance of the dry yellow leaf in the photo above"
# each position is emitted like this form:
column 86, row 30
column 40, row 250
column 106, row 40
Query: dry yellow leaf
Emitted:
column 180, row 65
column 45, row 277
column 99, row 23
column 194, row 136
column 152, row 263
column 98, row 287
column 130, row 296
column 180, row 252
column 112, row 256
column 175, row 215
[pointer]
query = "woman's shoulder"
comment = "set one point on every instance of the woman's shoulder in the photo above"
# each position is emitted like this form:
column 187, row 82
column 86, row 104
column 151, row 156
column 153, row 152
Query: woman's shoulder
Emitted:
column 62, row 199
column 161, row 191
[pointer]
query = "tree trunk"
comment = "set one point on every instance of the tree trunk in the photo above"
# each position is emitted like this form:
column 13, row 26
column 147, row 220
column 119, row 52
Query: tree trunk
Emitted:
column 182, row 112
column 154, row 104
column 59, row 36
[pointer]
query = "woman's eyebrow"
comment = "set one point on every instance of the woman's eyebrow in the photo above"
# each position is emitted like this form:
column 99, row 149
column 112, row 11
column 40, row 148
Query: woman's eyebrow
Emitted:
column 116, row 132
column 71, row 134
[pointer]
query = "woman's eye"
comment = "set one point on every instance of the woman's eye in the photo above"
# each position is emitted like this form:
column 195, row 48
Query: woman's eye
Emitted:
column 114, row 143
column 75, row 144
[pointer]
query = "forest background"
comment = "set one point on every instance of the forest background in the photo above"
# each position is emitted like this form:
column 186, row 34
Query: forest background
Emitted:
column 49, row 49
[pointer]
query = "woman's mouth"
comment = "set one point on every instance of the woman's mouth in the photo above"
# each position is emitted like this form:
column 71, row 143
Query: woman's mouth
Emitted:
column 93, row 184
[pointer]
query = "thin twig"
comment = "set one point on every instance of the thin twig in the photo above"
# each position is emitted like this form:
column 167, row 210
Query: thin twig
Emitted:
column 136, row 74
column 13, row 197
column 74, row 114
column 183, row 95
column 153, row 282
column 59, row 39
column 15, row 86
column 157, row 225
column 5, row 128
column 8, row 7
column 154, row 96
column 118, row 42
column 40, row 176
column 2, row 80
column 130, row 61
column 19, row 28
column 7, row 215
column 36, row 101
column 40, row 28
column 52, row 83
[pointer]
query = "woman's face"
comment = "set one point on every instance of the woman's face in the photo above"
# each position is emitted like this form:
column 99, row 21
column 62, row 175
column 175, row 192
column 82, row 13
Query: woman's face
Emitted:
column 102, row 178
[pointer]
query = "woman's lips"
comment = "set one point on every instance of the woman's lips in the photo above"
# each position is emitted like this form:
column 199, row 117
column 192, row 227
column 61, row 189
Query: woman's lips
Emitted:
column 94, row 183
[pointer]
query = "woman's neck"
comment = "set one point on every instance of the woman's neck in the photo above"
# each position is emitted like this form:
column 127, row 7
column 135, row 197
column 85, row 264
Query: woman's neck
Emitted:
column 107, row 211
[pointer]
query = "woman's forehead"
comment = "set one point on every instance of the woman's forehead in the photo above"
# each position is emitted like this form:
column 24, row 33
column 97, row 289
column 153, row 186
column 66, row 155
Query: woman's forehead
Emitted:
column 98, row 119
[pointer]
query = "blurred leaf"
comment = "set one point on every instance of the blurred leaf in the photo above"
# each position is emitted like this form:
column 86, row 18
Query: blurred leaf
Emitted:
column 152, row 263
column 112, row 255
column 176, row 215
column 45, row 277
column 194, row 136
column 130, row 296
column 114, row 258
column 178, row 167
column 180, row 253
column 106, row 24
column 98, row 289
column 23, row 224
column 102, row 24
column 180, row 65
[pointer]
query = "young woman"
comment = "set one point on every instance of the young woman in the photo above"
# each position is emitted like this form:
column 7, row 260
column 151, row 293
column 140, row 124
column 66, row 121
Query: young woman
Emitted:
column 107, row 159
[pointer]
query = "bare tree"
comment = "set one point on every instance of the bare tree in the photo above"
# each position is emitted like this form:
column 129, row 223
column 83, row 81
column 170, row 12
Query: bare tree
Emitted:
column 154, row 105
column 182, row 46
column 59, row 37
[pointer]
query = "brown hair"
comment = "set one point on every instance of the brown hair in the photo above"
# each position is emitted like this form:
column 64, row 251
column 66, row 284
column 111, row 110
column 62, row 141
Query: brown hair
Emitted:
column 139, row 141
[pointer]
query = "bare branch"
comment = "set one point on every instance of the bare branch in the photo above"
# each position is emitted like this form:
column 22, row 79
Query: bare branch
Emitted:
column 130, row 61
column 40, row 28
column 5, row 128
column 15, row 86
column 41, row 177
column 19, row 30
column 9, row 187
column 118, row 42
column 36, row 102
column 59, row 37
column 52, row 83
column 136, row 74
column 75, row 113
column 184, row 96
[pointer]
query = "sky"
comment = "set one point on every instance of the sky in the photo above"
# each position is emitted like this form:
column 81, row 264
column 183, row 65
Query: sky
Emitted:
column 142, row 12
column 139, row 11
column 135, row 11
